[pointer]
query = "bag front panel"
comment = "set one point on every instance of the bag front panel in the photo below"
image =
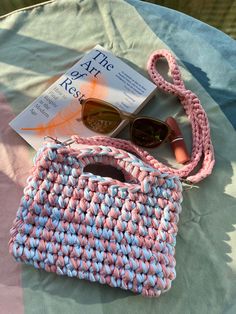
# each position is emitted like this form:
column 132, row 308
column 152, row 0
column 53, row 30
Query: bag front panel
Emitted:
column 81, row 225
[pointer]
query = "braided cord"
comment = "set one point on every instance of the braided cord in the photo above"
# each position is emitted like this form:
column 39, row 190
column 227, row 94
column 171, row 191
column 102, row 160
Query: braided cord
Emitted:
column 202, row 145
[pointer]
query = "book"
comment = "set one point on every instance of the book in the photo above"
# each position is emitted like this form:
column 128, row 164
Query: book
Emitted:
column 98, row 74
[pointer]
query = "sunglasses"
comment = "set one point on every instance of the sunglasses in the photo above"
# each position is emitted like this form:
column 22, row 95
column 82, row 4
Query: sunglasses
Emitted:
column 102, row 117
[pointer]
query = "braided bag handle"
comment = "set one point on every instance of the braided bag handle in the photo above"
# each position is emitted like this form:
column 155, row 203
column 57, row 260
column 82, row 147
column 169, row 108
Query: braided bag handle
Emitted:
column 143, row 174
column 202, row 145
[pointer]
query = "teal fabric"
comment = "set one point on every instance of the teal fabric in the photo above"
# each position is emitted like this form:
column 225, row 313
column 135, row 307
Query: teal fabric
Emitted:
column 207, row 53
column 39, row 44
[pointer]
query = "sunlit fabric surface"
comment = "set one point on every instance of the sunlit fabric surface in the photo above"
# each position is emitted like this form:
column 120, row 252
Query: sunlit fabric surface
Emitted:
column 39, row 44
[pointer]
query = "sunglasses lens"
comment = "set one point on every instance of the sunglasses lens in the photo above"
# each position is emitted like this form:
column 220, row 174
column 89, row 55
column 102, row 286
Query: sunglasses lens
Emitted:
column 100, row 117
column 148, row 133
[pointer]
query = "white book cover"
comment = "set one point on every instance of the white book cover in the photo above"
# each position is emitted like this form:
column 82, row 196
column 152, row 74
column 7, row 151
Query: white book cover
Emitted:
column 98, row 74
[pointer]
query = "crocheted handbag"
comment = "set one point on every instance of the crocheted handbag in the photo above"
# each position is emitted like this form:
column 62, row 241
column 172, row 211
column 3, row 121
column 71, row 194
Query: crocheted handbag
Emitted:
column 123, row 234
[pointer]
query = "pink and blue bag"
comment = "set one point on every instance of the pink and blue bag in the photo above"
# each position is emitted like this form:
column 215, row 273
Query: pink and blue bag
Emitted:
column 75, row 223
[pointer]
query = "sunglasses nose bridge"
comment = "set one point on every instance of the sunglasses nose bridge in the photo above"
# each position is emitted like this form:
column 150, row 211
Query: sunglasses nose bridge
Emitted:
column 127, row 116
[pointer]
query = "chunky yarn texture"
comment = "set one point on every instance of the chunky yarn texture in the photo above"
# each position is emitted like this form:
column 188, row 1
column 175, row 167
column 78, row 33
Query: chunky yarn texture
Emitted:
column 81, row 225
column 123, row 234
column 202, row 147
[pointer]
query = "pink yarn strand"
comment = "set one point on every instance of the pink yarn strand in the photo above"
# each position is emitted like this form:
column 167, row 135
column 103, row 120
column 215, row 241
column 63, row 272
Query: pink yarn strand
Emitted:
column 202, row 144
